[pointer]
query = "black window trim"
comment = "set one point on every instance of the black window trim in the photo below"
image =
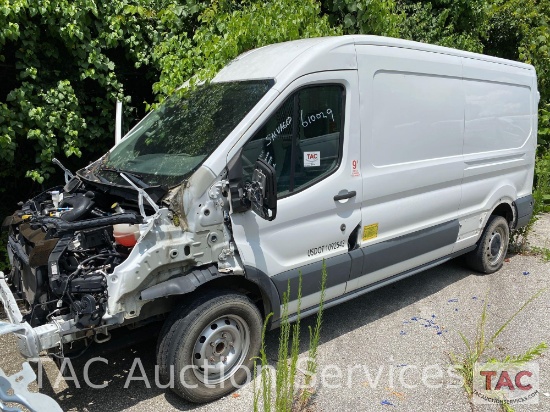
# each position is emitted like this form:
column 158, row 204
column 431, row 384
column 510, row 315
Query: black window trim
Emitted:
column 294, row 95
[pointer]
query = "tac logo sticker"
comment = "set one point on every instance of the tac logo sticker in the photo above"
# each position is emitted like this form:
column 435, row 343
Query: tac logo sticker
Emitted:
column 370, row 231
column 312, row 159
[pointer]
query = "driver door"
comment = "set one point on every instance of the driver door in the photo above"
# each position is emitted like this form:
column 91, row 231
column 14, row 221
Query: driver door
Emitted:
column 311, row 137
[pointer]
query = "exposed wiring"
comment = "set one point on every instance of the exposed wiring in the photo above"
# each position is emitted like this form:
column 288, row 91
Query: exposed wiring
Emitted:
column 39, row 304
column 72, row 357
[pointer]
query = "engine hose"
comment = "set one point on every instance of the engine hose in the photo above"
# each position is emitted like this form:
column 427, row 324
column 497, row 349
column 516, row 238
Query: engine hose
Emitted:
column 62, row 226
column 19, row 251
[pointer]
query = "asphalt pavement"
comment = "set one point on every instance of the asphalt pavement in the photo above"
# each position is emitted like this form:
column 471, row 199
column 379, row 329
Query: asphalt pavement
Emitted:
column 387, row 350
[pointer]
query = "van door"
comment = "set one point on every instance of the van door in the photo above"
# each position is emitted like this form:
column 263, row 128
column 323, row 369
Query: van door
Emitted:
column 311, row 137
column 412, row 120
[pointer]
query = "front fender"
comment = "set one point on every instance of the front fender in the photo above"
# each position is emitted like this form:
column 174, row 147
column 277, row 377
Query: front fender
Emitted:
column 183, row 284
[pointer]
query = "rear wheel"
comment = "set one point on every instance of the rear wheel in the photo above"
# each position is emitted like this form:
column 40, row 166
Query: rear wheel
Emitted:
column 208, row 347
column 489, row 255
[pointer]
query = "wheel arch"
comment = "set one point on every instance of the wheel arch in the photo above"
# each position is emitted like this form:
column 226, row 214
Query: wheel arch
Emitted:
column 255, row 284
column 506, row 210
column 501, row 203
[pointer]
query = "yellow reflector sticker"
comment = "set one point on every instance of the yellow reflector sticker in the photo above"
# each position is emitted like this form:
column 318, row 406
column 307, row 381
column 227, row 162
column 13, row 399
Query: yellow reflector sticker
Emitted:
column 370, row 231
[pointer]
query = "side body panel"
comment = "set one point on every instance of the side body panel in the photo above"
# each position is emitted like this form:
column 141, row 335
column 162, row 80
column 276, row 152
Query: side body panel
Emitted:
column 499, row 141
column 412, row 129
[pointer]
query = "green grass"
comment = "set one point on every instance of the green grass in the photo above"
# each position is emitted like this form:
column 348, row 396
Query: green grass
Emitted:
column 476, row 349
column 542, row 251
column 286, row 397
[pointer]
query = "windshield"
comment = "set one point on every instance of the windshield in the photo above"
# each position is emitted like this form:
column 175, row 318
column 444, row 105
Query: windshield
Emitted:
column 171, row 142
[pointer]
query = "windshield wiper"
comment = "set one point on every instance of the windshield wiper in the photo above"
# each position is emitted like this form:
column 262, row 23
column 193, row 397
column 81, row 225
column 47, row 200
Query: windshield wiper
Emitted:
column 142, row 194
column 68, row 174
column 134, row 177
column 135, row 181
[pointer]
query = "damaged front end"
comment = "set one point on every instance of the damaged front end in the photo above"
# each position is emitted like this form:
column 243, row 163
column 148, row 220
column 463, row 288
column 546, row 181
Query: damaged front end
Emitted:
column 83, row 257
column 121, row 241
column 63, row 245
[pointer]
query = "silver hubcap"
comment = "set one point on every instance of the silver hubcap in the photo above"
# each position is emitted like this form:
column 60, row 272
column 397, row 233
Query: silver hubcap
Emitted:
column 496, row 246
column 221, row 349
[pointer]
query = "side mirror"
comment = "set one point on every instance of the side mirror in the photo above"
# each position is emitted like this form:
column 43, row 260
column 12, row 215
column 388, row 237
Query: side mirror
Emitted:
column 262, row 191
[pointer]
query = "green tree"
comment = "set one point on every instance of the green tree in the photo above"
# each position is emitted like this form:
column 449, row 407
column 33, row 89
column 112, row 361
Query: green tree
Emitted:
column 64, row 63
column 70, row 61
column 452, row 23
column 228, row 28
column 377, row 17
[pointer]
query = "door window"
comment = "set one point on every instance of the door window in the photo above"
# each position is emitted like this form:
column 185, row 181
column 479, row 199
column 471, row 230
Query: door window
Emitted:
column 302, row 140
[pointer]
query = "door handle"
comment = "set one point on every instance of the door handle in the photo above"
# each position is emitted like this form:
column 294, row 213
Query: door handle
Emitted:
column 344, row 196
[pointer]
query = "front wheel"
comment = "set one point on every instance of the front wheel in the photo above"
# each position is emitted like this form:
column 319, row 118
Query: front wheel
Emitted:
column 489, row 255
column 206, row 349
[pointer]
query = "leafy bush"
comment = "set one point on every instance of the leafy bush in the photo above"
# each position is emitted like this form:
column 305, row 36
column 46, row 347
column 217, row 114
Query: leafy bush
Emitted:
column 68, row 62
column 228, row 29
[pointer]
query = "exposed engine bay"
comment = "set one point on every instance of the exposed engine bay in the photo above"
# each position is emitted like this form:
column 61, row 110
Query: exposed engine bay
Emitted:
column 82, row 254
column 64, row 244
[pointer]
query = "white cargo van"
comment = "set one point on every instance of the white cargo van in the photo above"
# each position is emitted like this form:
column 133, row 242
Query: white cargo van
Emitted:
column 379, row 156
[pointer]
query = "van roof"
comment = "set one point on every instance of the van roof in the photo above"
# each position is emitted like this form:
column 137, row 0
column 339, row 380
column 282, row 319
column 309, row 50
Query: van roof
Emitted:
column 325, row 53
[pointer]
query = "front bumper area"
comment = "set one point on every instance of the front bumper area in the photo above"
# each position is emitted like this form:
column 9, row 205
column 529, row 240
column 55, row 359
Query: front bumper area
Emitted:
column 30, row 340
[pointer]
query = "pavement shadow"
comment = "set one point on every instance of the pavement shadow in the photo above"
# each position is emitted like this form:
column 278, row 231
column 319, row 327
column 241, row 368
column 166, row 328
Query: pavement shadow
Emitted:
column 128, row 377
column 115, row 370
column 360, row 311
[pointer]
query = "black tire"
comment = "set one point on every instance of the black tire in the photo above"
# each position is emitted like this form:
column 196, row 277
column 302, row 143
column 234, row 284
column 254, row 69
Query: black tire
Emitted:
column 489, row 255
column 221, row 327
